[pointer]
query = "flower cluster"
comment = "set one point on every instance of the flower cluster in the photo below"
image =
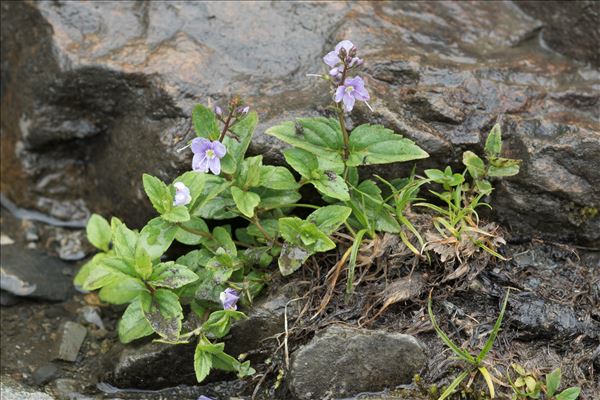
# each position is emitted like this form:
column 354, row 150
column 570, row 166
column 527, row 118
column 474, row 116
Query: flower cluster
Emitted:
column 341, row 60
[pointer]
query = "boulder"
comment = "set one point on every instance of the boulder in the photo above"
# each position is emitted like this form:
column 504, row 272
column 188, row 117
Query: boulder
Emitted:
column 340, row 362
column 94, row 95
column 32, row 273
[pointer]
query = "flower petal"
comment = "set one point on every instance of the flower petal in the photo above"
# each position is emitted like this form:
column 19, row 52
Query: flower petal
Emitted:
column 200, row 163
column 200, row 145
column 214, row 165
column 179, row 186
column 339, row 93
column 344, row 44
column 348, row 102
column 219, row 149
column 332, row 59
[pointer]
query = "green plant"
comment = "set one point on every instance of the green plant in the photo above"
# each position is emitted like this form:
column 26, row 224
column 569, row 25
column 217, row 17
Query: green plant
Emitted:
column 526, row 386
column 457, row 222
column 250, row 205
column 475, row 363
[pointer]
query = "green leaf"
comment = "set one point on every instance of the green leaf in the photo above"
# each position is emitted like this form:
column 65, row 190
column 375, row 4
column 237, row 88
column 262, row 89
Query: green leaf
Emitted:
column 102, row 275
column 122, row 291
column 158, row 193
column 474, row 164
column 244, row 129
column 133, row 325
column 569, row 394
column 223, row 239
column 177, row 214
column 304, row 233
column 369, row 208
column 270, row 198
column 143, row 262
column 124, row 242
column 219, row 322
column 157, row 236
column 302, row 161
column 503, row 166
column 374, row 144
column 194, row 181
column 86, row 269
column 202, row 362
column 278, row 178
column 205, row 122
column 553, row 382
column 493, row 143
column 189, row 238
column 171, row 275
column 164, row 313
column 332, row 185
column 249, row 175
column 319, row 136
column 329, row 218
column 292, row 257
column 269, row 225
column 98, row 232
column 246, row 202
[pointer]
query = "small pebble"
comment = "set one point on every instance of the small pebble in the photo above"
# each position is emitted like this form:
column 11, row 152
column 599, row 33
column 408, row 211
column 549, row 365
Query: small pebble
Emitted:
column 44, row 374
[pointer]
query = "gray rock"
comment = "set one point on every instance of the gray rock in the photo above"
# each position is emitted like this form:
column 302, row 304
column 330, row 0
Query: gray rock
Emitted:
column 71, row 339
column 7, row 299
column 44, row 374
column 571, row 28
column 342, row 361
column 98, row 113
column 31, row 273
column 141, row 366
column 13, row 390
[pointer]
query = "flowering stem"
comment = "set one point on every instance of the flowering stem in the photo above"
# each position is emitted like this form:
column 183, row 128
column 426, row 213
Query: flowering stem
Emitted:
column 226, row 126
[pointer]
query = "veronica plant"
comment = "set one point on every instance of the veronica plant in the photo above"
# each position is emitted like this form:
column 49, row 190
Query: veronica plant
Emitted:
column 475, row 363
column 326, row 154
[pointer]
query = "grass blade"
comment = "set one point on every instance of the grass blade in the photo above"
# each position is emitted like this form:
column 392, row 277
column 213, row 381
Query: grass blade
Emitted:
column 490, row 341
column 454, row 385
column 352, row 262
column 462, row 354
column 488, row 380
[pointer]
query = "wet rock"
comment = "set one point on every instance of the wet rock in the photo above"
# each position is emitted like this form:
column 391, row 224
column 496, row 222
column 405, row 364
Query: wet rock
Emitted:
column 69, row 389
column 86, row 113
column 571, row 28
column 71, row 339
column 341, row 362
column 140, row 365
column 536, row 318
column 7, row 299
column 13, row 390
column 6, row 240
column 44, row 374
column 143, row 365
column 31, row 273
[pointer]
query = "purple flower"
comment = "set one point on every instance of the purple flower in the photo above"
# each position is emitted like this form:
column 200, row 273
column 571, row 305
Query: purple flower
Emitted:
column 342, row 49
column 218, row 111
column 353, row 89
column 182, row 194
column 202, row 397
column 243, row 111
column 207, row 155
column 229, row 299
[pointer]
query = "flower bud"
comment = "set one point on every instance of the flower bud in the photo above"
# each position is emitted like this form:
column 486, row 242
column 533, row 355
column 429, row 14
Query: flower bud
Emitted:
column 352, row 52
column 243, row 111
column 218, row 111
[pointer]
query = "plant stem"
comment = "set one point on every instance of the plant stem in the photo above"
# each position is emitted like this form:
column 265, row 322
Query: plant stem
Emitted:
column 261, row 229
column 207, row 235
column 226, row 126
column 292, row 205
